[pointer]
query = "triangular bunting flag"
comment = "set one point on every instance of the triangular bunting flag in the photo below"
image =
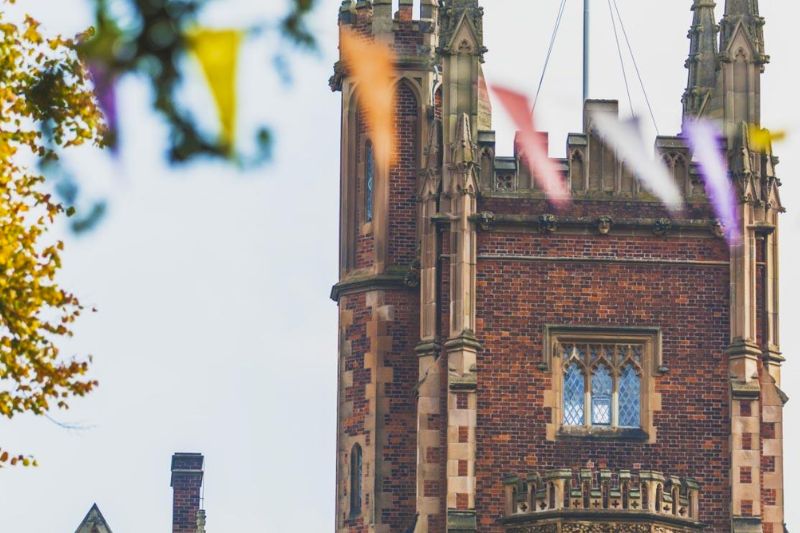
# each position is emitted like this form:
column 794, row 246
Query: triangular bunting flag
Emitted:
column 626, row 138
column 105, row 91
column 371, row 66
column 218, row 54
column 761, row 140
column 533, row 147
column 704, row 139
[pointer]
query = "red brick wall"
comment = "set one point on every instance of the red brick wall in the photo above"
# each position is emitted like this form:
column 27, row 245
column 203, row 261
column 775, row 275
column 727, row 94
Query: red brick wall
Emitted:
column 403, row 183
column 400, row 421
column 397, row 440
column 517, row 299
column 353, row 425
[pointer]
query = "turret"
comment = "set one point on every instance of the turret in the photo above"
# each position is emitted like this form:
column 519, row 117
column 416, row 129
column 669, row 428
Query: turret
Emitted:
column 379, row 308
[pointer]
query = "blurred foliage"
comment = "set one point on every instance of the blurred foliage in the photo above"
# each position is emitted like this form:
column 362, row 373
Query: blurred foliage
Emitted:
column 149, row 38
column 43, row 88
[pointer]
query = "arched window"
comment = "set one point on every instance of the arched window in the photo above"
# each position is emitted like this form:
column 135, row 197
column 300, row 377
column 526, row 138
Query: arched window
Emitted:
column 602, row 385
column 369, row 181
column 573, row 396
column 630, row 397
column 355, row 480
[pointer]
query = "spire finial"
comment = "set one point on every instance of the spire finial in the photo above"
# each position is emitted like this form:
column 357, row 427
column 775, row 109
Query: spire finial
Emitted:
column 703, row 58
column 746, row 13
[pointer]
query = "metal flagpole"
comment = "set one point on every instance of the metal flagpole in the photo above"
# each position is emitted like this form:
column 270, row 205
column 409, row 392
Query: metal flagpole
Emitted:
column 585, row 50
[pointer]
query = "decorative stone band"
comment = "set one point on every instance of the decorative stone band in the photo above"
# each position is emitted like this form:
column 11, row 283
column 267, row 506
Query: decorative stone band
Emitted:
column 603, row 225
column 565, row 495
column 394, row 278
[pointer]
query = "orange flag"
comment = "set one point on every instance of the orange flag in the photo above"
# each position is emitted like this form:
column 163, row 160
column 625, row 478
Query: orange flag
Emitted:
column 371, row 66
column 534, row 147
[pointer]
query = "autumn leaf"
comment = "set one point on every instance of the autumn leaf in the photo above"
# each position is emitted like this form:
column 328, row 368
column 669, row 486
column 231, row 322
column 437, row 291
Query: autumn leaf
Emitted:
column 43, row 85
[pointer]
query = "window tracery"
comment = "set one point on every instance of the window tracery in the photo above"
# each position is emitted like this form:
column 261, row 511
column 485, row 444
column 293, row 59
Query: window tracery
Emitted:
column 605, row 380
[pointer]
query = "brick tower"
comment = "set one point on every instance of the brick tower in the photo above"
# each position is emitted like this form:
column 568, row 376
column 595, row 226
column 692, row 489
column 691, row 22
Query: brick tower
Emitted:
column 503, row 368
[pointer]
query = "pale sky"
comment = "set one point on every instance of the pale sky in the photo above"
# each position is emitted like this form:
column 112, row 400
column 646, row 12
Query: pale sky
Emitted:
column 215, row 332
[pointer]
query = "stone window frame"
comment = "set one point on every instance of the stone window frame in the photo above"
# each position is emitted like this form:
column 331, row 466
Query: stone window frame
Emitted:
column 652, row 368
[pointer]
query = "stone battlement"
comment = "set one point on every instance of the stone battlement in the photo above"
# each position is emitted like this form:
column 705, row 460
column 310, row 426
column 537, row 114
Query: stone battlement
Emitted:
column 601, row 491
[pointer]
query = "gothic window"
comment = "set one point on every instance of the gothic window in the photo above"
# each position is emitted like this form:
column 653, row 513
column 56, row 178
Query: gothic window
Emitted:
column 369, row 181
column 355, row 480
column 601, row 382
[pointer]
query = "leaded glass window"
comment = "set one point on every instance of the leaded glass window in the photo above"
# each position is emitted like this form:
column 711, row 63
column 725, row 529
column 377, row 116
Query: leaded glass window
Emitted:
column 602, row 384
column 630, row 385
column 573, row 396
column 369, row 181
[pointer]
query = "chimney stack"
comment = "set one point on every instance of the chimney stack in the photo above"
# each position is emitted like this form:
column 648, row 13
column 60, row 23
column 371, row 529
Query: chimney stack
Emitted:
column 187, row 480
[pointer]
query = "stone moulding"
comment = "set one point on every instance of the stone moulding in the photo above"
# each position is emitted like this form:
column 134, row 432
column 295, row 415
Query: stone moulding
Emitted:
column 390, row 280
column 604, row 225
column 594, row 526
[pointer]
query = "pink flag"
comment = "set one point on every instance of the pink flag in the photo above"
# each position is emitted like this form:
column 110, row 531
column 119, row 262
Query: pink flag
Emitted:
column 704, row 139
column 533, row 147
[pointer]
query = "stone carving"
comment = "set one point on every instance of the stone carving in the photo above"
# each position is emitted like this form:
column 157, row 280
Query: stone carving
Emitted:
column 485, row 220
column 413, row 276
column 604, row 225
column 594, row 527
column 718, row 229
column 662, row 227
column 540, row 528
column 605, row 528
column 548, row 223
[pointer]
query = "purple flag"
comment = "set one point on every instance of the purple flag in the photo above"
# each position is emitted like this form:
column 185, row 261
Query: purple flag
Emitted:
column 704, row 138
column 106, row 92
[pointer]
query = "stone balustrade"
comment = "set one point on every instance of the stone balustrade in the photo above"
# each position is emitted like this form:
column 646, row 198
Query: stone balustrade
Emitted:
column 602, row 490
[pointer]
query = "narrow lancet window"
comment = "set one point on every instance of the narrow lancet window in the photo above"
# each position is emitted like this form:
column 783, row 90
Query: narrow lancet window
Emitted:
column 369, row 181
column 601, row 396
column 573, row 396
column 355, row 481
column 630, row 398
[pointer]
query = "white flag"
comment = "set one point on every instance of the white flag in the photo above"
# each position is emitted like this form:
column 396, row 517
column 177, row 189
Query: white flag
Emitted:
column 626, row 138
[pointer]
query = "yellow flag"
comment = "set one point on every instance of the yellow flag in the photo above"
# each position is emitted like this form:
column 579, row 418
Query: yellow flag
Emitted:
column 371, row 66
column 218, row 54
column 761, row 140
